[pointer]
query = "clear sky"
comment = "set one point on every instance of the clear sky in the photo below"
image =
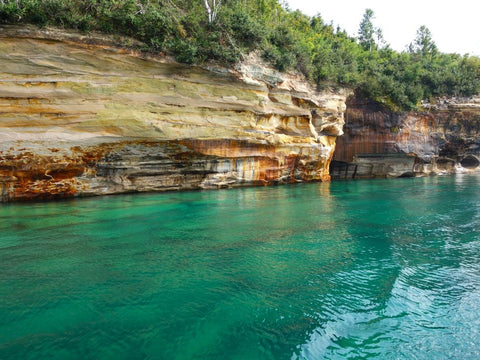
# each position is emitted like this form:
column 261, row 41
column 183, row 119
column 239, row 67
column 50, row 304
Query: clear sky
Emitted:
column 455, row 25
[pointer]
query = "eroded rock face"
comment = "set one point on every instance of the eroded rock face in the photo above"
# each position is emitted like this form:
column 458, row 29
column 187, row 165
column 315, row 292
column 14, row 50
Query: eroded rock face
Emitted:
column 442, row 139
column 79, row 119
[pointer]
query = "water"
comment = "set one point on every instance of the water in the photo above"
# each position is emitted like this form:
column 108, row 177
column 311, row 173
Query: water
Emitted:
column 365, row 269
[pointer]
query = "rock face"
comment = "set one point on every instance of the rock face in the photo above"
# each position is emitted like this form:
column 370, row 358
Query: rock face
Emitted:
column 442, row 139
column 79, row 117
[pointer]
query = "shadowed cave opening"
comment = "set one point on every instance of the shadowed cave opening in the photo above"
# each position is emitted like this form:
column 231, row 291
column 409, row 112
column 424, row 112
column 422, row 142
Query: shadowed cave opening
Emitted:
column 470, row 162
column 445, row 164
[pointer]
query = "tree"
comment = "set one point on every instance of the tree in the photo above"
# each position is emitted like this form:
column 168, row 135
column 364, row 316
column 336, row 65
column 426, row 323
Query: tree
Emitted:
column 212, row 7
column 367, row 33
column 423, row 43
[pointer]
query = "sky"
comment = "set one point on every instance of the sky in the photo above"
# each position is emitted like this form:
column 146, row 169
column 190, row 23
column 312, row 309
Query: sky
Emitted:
column 455, row 25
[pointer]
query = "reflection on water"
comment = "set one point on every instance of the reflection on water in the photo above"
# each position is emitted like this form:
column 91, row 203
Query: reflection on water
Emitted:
column 365, row 269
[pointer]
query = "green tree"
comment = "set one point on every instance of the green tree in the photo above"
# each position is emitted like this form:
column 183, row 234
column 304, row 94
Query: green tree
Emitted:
column 423, row 44
column 368, row 35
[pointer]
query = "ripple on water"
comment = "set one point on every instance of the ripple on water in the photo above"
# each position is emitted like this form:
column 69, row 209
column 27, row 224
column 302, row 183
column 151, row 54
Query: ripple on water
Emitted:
column 362, row 269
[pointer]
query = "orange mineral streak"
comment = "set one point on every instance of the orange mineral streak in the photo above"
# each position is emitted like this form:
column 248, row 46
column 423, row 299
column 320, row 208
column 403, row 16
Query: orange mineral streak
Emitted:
column 28, row 176
column 438, row 139
column 81, row 117
column 370, row 131
column 269, row 163
column 260, row 160
column 185, row 163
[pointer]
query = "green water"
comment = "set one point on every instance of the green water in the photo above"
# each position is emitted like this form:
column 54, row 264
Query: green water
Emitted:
column 364, row 269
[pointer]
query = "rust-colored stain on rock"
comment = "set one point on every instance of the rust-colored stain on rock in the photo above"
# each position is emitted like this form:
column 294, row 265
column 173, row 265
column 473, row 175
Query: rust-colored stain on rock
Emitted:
column 437, row 139
column 81, row 119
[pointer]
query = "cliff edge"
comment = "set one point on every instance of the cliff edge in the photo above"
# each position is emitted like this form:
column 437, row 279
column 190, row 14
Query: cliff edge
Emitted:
column 80, row 117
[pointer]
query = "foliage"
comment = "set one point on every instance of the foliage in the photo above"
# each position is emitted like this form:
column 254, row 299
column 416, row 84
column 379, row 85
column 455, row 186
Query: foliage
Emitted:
column 197, row 31
column 423, row 45
column 368, row 32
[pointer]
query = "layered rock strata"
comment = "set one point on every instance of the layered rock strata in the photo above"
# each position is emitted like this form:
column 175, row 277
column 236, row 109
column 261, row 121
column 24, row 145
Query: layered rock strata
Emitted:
column 80, row 117
column 443, row 138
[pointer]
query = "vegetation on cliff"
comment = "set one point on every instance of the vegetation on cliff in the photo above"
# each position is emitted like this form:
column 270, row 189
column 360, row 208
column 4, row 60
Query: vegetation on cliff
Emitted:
column 197, row 31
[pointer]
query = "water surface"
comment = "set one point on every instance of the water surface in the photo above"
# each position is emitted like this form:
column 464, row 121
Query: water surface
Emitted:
column 365, row 269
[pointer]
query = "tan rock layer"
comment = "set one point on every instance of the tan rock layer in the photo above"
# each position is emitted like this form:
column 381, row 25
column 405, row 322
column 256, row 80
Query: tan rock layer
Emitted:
column 78, row 119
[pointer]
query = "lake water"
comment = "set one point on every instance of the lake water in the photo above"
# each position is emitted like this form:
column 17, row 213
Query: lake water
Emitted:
column 386, row 269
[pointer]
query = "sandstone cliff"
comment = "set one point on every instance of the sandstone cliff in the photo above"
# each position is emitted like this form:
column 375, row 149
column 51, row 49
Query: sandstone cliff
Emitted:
column 81, row 117
column 443, row 138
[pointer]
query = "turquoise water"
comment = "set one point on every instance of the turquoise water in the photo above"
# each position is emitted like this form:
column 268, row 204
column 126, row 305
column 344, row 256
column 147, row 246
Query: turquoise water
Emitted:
column 362, row 269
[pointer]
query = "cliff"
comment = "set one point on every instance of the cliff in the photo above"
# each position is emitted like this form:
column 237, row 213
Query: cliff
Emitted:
column 443, row 138
column 79, row 117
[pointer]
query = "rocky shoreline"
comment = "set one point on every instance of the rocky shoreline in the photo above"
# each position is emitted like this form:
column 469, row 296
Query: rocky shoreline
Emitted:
column 79, row 118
